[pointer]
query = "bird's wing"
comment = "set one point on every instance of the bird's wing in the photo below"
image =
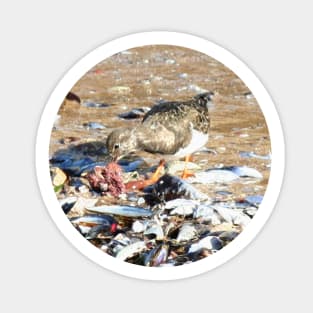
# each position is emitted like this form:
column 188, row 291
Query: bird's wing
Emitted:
column 157, row 138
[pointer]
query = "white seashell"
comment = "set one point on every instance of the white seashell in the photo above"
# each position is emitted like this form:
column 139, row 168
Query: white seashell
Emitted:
column 155, row 229
column 122, row 210
column 82, row 204
column 251, row 210
column 206, row 212
column 181, row 206
column 230, row 215
column 138, row 227
column 119, row 89
column 245, row 171
column 241, row 219
column 213, row 176
column 131, row 250
column 216, row 219
column 179, row 166
column 209, row 242
column 187, row 232
column 224, row 212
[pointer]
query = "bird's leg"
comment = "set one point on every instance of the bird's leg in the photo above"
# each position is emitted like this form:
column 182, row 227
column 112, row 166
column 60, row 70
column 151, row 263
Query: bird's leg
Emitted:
column 141, row 184
column 156, row 174
column 187, row 173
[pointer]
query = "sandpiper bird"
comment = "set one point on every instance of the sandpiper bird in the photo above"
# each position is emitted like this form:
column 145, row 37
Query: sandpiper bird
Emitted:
column 176, row 128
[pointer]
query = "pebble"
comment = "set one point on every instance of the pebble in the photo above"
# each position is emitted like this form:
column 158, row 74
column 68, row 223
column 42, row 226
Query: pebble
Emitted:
column 90, row 104
column 94, row 125
column 196, row 88
column 183, row 75
column 67, row 140
column 245, row 154
column 170, row 61
column 134, row 113
column 249, row 95
column 120, row 89
column 141, row 201
column 221, row 149
column 58, row 176
column 173, row 167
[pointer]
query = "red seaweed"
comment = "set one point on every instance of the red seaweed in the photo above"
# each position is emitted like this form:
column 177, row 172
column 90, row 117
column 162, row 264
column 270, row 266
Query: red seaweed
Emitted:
column 107, row 179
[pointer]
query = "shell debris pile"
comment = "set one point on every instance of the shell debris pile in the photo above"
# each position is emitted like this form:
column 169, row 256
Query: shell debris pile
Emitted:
column 173, row 222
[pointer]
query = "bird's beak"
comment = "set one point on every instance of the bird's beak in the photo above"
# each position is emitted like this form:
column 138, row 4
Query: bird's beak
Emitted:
column 114, row 157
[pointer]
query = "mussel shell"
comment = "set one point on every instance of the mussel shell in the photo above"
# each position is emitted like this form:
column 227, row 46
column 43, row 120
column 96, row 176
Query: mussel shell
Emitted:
column 131, row 250
column 157, row 255
column 122, row 210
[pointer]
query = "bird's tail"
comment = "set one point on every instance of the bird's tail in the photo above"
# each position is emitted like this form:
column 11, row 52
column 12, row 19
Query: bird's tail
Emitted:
column 204, row 99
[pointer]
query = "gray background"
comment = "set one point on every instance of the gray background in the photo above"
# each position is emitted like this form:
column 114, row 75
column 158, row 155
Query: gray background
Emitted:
column 40, row 270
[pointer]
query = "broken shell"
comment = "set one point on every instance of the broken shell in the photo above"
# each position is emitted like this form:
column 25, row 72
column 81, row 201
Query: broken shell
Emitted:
column 186, row 232
column 241, row 219
column 155, row 229
column 209, row 242
column 58, row 176
column 131, row 250
column 67, row 204
column 119, row 89
column 206, row 212
column 229, row 215
column 171, row 187
column 228, row 235
column 138, row 227
column 157, row 256
column 255, row 199
column 122, row 210
column 245, row 171
column 173, row 167
column 224, row 212
column 131, row 166
column 81, row 205
column 183, row 207
column 251, row 211
column 213, row 176
column 134, row 113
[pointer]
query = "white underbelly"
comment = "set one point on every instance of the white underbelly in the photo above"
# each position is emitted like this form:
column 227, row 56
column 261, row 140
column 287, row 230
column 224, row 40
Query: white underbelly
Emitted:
column 198, row 140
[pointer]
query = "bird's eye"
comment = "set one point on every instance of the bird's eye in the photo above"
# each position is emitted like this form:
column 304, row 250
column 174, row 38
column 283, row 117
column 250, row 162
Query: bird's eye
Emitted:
column 116, row 146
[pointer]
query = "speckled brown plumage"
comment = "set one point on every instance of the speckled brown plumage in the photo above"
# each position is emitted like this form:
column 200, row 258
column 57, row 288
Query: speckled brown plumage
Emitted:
column 166, row 128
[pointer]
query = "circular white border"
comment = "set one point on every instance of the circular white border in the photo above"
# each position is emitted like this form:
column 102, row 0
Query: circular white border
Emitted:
column 162, row 38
